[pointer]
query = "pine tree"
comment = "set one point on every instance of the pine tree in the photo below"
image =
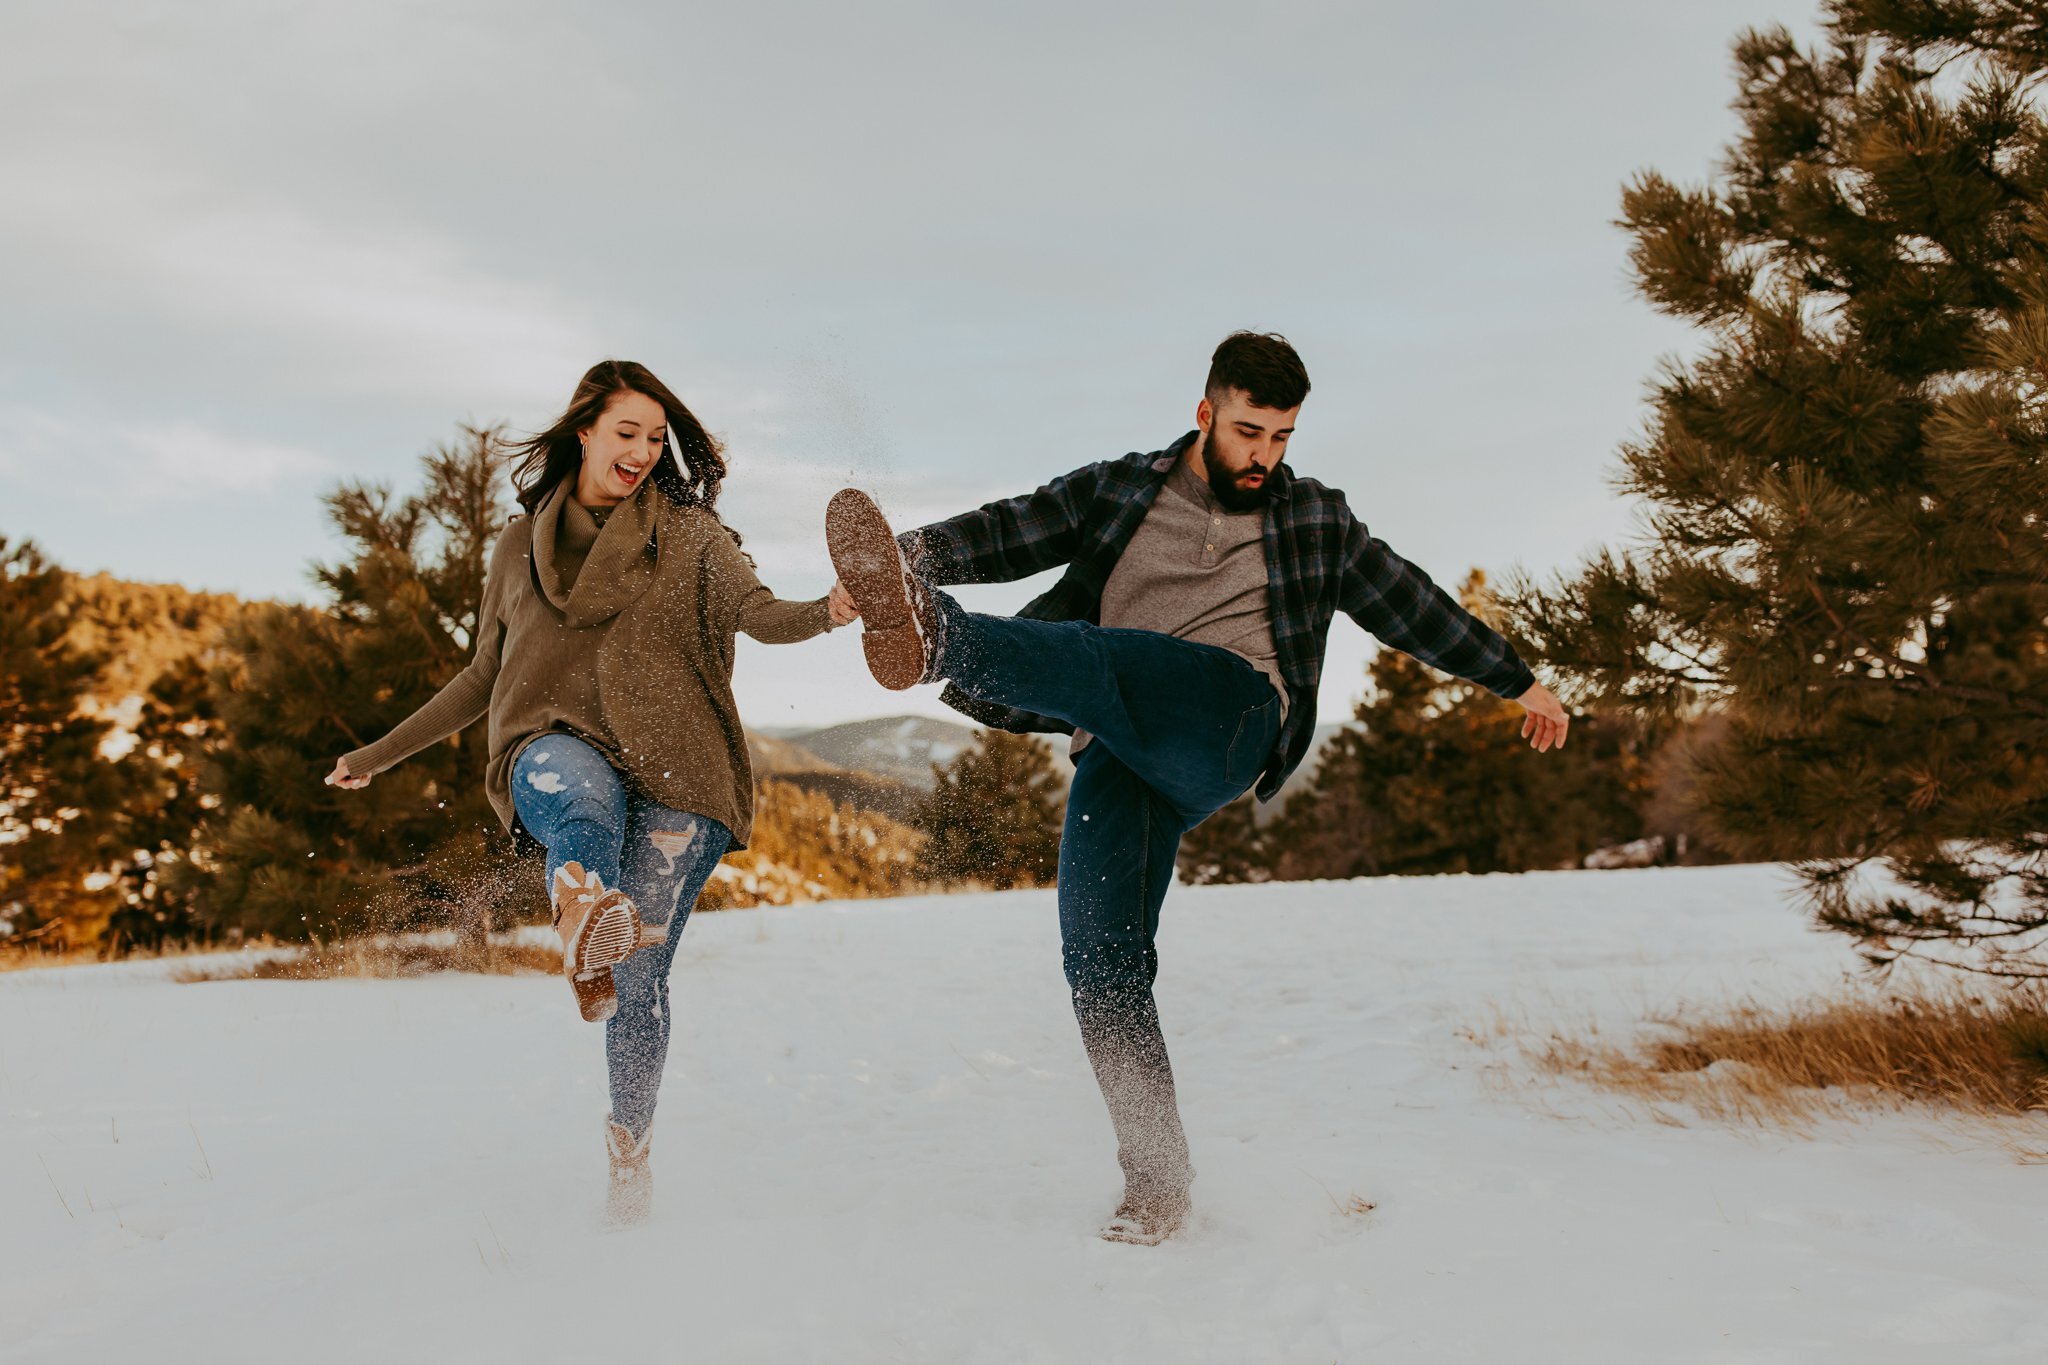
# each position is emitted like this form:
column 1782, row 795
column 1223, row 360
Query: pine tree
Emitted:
column 993, row 816
column 1227, row 847
column 164, row 817
column 1846, row 495
column 157, row 640
column 59, row 797
column 294, row 858
column 143, row 629
column 1435, row 778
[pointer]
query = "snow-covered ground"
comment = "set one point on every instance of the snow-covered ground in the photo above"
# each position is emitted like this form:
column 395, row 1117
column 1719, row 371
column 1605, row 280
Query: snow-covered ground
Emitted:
column 879, row 1142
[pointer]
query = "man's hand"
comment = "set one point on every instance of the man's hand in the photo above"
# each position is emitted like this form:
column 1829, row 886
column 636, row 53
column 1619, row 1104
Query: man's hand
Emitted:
column 841, row 604
column 1547, row 721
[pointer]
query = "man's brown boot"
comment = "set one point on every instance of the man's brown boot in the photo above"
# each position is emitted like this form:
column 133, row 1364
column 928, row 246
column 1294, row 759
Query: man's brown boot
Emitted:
column 1151, row 1213
column 898, row 622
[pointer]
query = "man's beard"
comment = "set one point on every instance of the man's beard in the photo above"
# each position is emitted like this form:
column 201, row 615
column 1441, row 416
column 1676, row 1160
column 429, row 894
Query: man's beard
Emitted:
column 1234, row 496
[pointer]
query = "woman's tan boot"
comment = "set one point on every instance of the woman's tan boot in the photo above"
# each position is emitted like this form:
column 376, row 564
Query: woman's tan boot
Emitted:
column 599, row 929
column 631, row 1196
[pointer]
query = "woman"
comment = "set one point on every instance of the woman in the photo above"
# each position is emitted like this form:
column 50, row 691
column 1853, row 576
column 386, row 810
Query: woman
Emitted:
column 604, row 661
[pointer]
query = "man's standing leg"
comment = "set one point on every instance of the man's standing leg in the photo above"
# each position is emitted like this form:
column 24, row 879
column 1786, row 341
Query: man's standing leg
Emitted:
column 1116, row 863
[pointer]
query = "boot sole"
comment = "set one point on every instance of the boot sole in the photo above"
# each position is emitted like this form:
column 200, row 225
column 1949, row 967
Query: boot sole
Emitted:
column 1138, row 1234
column 870, row 566
column 607, row 937
column 1132, row 1237
column 596, row 997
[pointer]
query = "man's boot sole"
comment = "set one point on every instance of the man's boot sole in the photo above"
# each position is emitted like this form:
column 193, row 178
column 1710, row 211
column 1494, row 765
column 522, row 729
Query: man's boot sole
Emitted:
column 871, row 568
column 1138, row 1235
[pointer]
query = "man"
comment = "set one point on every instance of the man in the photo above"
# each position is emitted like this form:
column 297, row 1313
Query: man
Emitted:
column 1182, row 649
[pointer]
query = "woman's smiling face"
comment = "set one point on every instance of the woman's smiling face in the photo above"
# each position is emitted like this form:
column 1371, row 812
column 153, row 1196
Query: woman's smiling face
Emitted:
column 619, row 449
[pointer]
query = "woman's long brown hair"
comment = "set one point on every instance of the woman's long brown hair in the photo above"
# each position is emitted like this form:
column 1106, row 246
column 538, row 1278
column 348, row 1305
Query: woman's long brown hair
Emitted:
column 689, row 473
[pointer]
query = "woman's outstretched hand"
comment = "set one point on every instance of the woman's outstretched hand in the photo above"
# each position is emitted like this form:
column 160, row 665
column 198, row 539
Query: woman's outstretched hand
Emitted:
column 842, row 606
column 341, row 777
column 1546, row 722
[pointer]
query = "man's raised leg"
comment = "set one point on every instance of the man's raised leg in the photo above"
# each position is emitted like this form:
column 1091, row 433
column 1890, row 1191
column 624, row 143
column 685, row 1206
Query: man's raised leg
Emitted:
column 1184, row 716
column 1173, row 710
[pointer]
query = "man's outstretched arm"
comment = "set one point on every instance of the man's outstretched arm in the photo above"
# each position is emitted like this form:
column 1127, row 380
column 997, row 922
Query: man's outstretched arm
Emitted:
column 1399, row 604
column 1007, row 540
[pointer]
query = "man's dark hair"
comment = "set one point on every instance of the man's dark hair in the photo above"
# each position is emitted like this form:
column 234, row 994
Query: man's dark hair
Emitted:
column 1263, row 365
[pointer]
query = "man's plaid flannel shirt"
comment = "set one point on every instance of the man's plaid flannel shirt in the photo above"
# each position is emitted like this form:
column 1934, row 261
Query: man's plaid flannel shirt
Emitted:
column 1320, row 560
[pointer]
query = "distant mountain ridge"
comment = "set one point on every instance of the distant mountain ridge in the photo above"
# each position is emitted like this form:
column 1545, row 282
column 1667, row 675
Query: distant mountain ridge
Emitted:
column 900, row 747
column 892, row 757
column 775, row 754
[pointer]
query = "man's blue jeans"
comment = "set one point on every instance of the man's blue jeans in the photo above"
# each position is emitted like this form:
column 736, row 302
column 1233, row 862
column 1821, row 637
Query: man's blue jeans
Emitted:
column 571, row 799
column 1180, row 730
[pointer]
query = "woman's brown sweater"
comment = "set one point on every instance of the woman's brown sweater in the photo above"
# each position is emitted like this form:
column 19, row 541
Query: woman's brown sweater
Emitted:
column 621, row 634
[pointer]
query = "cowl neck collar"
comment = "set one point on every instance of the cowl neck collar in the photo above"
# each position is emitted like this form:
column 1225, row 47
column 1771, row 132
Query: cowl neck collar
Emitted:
column 619, row 566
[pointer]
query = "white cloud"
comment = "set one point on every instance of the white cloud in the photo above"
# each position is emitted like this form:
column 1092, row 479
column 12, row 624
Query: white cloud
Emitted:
column 371, row 309
column 176, row 459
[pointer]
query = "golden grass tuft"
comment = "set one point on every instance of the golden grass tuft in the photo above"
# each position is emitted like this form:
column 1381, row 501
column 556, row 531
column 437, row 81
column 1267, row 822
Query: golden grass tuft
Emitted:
column 1779, row 1065
column 380, row 958
column 31, row 960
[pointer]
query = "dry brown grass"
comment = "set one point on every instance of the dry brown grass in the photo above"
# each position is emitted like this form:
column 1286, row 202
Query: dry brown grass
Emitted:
column 381, row 958
column 16, row 960
column 1981, row 1055
column 29, row 960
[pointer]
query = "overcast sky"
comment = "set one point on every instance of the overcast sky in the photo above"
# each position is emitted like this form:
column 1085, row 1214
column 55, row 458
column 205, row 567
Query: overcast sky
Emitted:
column 943, row 250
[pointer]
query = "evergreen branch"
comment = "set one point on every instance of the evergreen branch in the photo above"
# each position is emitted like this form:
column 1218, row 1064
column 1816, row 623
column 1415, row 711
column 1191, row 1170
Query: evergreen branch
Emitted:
column 1965, row 692
column 1995, row 970
column 1927, row 679
column 1639, row 669
column 1927, row 686
column 434, row 647
column 1692, row 658
column 346, row 729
